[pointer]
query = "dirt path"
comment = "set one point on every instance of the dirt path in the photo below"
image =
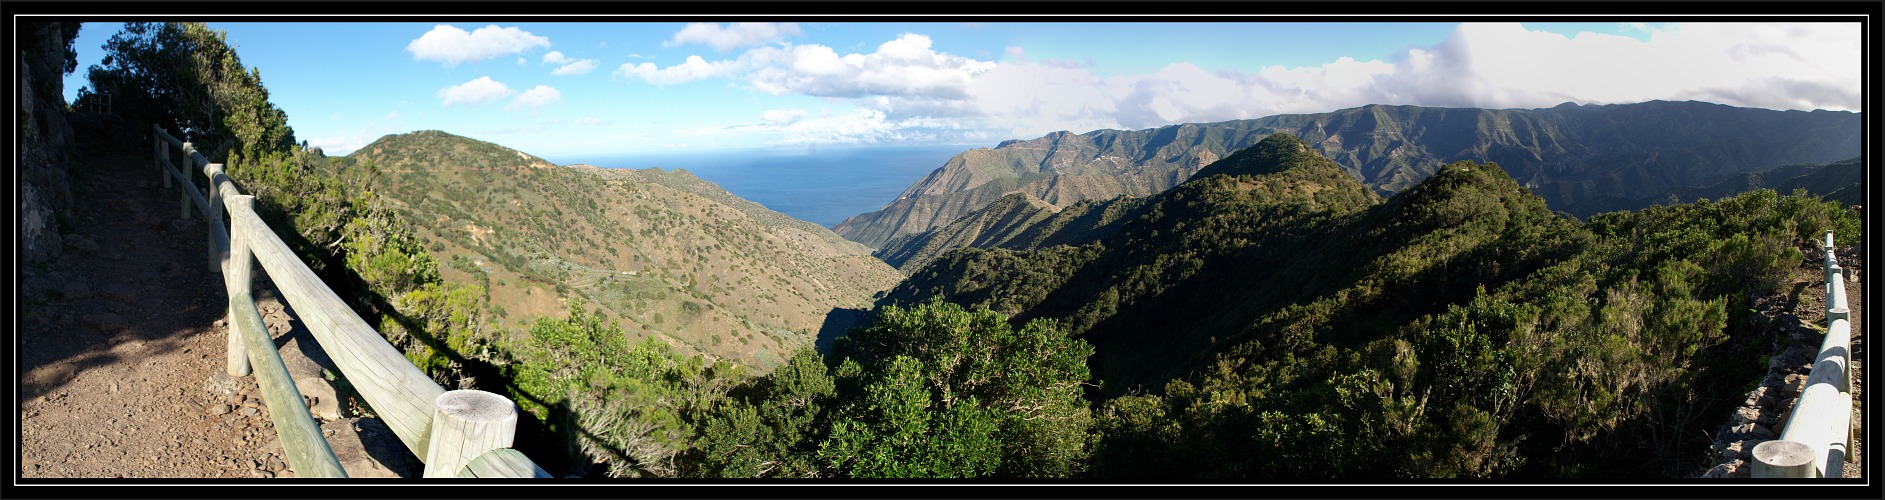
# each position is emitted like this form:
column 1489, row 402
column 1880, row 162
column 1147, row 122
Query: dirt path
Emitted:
column 122, row 348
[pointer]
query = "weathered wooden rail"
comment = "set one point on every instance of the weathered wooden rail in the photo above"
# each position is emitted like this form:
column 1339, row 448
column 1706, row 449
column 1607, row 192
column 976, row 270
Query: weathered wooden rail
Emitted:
column 463, row 433
column 1818, row 437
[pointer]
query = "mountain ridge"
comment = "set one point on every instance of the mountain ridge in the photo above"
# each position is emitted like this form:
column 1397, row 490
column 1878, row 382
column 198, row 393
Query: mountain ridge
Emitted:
column 1572, row 155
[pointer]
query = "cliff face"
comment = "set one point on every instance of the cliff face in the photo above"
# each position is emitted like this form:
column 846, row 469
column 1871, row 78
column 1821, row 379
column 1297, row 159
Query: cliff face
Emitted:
column 44, row 138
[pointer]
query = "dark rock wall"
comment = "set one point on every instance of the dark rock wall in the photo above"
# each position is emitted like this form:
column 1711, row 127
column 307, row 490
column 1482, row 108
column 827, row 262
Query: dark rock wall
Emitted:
column 45, row 140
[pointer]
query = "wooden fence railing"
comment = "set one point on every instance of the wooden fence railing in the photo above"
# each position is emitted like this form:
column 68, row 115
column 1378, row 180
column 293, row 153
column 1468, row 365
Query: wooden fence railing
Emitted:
column 1816, row 442
column 463, row 433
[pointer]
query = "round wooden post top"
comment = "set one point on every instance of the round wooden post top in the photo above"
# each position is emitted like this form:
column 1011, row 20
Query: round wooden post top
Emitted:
column 473, row 405
column 1782, row 454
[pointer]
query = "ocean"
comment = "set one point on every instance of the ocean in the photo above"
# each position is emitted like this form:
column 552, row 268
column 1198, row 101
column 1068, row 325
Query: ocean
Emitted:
column 823, row 184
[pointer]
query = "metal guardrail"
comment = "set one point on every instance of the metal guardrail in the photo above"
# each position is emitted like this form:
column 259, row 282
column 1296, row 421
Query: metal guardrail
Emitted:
column 1818, row 437
column 464, row 433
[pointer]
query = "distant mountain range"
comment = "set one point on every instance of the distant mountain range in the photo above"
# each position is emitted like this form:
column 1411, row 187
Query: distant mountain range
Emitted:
column 1581, row 159
column 665, row 253
column 1020, row 221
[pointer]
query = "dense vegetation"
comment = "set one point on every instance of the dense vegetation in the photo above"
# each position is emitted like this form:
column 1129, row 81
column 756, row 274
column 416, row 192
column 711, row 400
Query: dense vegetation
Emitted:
column 1270, row 317
column 1458, row 329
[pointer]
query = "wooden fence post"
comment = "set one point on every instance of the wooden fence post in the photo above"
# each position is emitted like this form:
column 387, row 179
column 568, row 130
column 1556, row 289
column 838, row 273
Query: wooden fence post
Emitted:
column 157, row 154
column 1779, row 458
column 216, row 255
column 466, row 425
column 507, row 463
column 163, row 157
column 185, row 184
column 236, row 277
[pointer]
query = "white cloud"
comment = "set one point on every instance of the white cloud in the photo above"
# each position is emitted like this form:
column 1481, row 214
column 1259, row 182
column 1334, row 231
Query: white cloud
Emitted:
column 1028, row 99
column 1504, row 65
column 903, row 67
column 452, row 46
column 475, row 92
column 1479, row 65
column 694, row 68
column 567, row 66
column 782, row 116
column 862, row 126
column 1016, row 53
column 906, row 90
column 536, row 97
column 347, row 141
column 732, row 36
column 575, row 68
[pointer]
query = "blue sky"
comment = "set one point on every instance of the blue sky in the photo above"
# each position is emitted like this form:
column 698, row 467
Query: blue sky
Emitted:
column 560, row 89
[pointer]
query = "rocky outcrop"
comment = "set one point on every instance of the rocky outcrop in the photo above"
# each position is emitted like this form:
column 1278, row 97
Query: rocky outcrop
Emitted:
column 44, row 138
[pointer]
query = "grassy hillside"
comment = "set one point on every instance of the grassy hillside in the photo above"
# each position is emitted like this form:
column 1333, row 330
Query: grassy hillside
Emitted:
column 668, row 255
